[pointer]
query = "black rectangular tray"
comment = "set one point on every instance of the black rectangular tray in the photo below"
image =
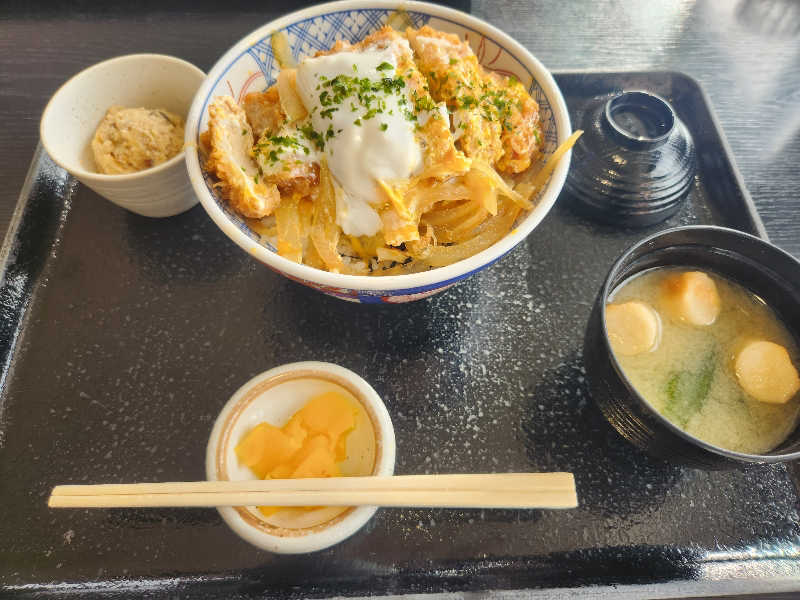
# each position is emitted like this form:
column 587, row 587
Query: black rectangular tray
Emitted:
column 122, row 337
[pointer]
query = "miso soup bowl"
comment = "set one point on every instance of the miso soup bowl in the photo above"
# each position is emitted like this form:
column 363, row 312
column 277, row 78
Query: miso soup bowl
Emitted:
column 754, row 263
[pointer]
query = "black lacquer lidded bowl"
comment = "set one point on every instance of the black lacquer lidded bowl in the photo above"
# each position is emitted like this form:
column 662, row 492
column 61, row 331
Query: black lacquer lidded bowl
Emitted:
column 634, row 164
column 764, row 269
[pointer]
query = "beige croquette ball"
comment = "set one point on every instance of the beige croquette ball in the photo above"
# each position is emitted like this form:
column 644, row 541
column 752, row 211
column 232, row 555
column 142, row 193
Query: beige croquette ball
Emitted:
column 633, row 327
column 692, row 297
column 766, row 372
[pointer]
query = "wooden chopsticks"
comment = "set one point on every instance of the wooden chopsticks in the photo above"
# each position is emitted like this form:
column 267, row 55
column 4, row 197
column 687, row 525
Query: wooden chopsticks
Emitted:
column 492, row 490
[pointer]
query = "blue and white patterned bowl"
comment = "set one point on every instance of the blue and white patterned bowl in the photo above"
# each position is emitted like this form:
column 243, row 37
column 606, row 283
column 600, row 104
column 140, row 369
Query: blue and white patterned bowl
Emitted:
column 250, row 66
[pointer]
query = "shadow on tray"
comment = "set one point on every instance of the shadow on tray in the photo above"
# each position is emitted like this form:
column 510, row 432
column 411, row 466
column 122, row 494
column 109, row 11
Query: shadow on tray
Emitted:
column 576, row 437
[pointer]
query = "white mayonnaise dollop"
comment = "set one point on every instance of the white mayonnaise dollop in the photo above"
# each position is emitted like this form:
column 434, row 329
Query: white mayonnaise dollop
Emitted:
column 360, row 150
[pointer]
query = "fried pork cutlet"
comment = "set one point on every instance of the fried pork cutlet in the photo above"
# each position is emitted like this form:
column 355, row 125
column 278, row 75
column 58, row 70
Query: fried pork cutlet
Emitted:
column 230, row 158
column 494, row 118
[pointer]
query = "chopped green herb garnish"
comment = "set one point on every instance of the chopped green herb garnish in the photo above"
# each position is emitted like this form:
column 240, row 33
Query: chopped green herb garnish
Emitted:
column 468, row 101
column 362, row 92
column 312, row 136
column 425, row 103
column 365, row 97
column 328, row 112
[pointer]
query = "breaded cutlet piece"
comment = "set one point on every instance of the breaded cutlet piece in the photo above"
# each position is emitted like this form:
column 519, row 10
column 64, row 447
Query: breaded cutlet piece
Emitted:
column 230, row 160
column 495, row 119
column 264, row 112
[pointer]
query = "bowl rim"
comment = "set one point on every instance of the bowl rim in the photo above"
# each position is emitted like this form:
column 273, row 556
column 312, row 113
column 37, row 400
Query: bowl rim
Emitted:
column 639, row 142
column 345, row 524
column 606, row 290
column 80, row 172
column 433, row 278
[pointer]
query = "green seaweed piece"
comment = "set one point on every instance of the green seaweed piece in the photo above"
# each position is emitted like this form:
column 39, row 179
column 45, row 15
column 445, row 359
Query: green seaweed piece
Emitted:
column 687, row 390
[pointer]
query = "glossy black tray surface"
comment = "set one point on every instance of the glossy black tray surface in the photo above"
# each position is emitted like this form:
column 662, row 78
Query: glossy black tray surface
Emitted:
column 122, row 337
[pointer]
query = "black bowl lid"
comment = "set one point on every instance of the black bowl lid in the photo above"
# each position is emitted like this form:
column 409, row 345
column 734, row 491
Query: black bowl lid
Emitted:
column 635, row 163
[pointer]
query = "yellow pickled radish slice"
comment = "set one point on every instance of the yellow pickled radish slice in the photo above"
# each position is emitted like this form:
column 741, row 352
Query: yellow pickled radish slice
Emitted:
column 766, row 372
column 633, row 327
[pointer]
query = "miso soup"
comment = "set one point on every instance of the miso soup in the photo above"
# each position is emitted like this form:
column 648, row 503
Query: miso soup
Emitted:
column 708, row 355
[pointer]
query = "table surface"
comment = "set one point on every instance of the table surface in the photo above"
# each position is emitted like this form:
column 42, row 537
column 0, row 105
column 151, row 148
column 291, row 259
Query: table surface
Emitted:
column 746, row 54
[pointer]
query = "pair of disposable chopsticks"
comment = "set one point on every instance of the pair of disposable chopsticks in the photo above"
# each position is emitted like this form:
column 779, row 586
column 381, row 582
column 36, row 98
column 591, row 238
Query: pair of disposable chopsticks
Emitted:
column 495, row 490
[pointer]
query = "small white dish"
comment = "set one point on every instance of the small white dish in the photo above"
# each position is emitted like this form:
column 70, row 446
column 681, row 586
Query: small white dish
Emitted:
column 274, row 396
column 137, row 80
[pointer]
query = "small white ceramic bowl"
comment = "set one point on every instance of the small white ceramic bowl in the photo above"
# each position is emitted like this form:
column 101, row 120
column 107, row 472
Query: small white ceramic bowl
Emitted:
column 274, row 396
column 250, row 66
column 137, row 80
